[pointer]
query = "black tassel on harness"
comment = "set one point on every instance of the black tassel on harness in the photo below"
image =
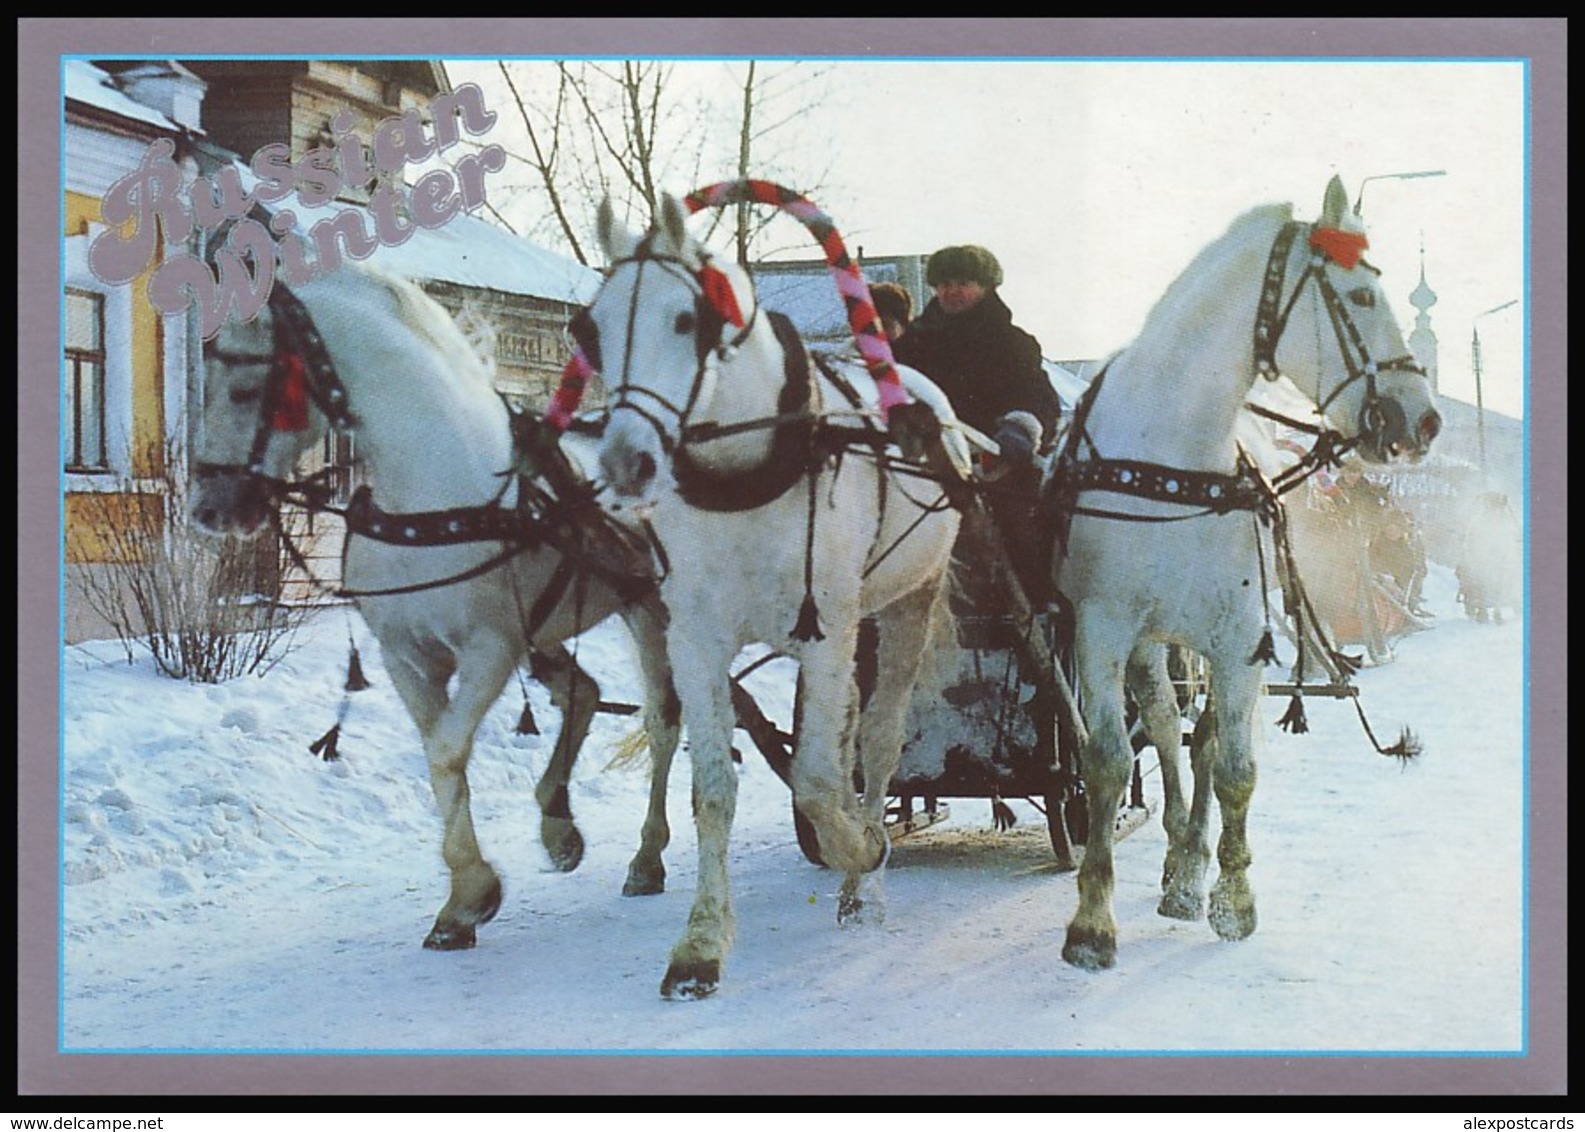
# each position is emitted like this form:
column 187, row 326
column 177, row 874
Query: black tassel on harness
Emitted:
column 1002, row 816
column 525, row 722
column 325, row 745
column 1348, row 664
column 1266, row 651
column 356, row 681
column 1293, row 720
column 1407, row 748
column 808, row 626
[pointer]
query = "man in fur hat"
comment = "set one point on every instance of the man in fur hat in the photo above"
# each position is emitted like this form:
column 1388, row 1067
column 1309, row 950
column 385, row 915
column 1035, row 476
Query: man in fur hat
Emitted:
column 991, row 371
column 965, row 341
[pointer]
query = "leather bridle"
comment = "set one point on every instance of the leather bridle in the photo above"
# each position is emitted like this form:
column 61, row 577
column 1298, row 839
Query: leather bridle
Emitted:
column 1377, row 414
column 709, row 343
column 298, row 361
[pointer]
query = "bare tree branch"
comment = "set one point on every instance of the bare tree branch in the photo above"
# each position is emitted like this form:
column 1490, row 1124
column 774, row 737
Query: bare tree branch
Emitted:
column 545, row 163
column 625, row 129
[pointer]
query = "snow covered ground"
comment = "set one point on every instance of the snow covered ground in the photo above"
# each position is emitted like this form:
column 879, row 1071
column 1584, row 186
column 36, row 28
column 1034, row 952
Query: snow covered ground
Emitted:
column 225, row 890
column 221, row 890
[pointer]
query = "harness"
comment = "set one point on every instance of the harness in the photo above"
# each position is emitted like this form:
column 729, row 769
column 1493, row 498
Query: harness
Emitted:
column 559, row 513
column 805, row 440
column 1080, row 467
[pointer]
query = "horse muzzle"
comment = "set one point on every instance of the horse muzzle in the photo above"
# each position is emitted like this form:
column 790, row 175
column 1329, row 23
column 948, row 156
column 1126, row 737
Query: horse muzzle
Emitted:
column 1385, row 433
column 631, row 473
column 230, row 502
column 631, row 459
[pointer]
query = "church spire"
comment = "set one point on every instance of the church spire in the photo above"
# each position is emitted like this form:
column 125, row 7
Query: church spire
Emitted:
column 1422, row 341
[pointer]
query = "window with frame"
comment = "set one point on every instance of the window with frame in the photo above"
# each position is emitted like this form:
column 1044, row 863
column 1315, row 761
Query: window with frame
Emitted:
column 84, row 420
column 339, row 457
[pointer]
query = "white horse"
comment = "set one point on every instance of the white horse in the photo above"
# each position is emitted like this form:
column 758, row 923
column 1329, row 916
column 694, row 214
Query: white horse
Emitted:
column 776, row 526
column 460, row 567
column 1164, row 545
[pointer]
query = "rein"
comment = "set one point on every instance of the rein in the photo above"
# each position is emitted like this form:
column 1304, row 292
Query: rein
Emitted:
column 564, row 520
column 301, row 371
column 1247, row 489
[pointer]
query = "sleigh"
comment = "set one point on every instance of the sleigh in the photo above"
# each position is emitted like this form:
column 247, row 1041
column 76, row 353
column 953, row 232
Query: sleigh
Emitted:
column 990, row 717
column 987, row 719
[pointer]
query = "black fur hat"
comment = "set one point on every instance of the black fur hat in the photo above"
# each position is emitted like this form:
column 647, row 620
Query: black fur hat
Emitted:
column 964, row 263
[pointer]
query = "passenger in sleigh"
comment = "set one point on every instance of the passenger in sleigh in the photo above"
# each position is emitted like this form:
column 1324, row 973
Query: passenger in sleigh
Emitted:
column 967, row 343
column 1397, row 553
column 895, row 306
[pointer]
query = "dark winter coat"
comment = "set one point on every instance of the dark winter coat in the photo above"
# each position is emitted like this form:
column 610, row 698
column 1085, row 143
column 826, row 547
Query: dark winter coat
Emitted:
column 983, row 363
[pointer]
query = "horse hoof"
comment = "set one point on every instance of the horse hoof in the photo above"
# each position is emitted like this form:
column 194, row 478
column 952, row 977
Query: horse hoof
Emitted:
column 564, row 845
column 691, row 980
column 566, row 853
column 1232, row 921
column 641, row 882
column 1181, row 906
column 1090, row 951
column 456, row 938
column 455, row 931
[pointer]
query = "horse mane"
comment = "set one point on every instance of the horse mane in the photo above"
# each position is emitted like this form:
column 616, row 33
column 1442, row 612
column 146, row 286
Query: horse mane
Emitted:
column 435, row 326
column 1249, row 235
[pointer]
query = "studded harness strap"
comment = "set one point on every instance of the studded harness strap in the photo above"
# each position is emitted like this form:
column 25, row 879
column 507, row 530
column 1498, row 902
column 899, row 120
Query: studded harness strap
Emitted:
column 563, row 517
column 1081, row 468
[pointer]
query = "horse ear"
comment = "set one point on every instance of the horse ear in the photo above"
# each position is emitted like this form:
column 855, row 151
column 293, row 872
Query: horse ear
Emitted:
column 615, row 239
column 1335, row 207
column 605, row 225
column 674, row 221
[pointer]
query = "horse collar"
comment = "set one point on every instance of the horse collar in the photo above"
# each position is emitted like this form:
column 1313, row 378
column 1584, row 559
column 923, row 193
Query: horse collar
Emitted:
column 1214, row 493
column 489, row 523
column 792, row 450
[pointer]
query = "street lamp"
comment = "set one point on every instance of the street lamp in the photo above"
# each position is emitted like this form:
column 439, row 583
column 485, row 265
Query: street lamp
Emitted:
column 1360, row 199
column 1474, row 356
